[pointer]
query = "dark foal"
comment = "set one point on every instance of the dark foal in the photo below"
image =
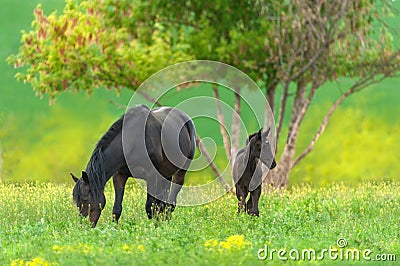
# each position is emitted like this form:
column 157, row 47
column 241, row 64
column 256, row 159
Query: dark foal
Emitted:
column 247, row 170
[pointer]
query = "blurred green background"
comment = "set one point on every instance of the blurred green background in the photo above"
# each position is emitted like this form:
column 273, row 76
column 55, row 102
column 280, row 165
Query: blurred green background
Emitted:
column 45, row 143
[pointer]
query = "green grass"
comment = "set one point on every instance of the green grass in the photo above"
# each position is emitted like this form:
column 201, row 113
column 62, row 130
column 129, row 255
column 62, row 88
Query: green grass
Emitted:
column 40, row 226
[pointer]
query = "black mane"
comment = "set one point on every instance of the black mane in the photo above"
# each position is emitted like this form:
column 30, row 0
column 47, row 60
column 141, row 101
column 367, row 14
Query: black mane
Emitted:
column 250, row 136
column 94, row 168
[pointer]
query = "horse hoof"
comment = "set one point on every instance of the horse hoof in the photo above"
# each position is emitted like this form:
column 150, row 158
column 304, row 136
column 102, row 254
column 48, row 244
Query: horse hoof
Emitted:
column 170, row 207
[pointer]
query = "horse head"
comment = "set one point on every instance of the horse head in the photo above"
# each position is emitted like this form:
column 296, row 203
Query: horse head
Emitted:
column 84, row 200
column 260, row 148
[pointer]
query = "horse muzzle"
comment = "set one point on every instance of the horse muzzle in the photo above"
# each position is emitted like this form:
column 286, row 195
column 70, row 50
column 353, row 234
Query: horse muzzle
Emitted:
column 94, row 217
column 273, row 165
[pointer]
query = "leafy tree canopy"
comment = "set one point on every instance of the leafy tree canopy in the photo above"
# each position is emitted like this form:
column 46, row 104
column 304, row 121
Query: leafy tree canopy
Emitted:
column 119, row 43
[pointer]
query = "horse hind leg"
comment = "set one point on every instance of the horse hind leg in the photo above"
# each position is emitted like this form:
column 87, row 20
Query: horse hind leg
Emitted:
column 119, row 182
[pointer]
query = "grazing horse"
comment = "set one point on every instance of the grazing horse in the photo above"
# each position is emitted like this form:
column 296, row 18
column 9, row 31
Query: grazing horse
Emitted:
column 153, row 145
column 247, row 173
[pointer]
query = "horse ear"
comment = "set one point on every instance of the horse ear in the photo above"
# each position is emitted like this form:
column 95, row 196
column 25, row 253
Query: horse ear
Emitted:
column 74, row 177
column 266, row 133
column 259, row 134
column 85, row 177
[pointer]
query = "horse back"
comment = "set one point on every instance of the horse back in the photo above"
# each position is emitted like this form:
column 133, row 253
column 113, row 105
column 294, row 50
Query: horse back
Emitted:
column 175, row 123
column 170, row 139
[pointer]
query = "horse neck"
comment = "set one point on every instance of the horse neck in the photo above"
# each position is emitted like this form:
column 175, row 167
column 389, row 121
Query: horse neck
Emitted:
column 113, row 159
column 251, row 160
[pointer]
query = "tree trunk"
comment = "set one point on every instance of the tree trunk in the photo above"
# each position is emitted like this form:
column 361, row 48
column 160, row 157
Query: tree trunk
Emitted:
column 270, row 94
column 280, row 176
column 220, row 114
column 269, row 117
column 235, row 127
column 269, row 113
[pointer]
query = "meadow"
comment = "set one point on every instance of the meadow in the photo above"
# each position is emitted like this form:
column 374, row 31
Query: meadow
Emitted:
column 40, row 226
column 347, row 189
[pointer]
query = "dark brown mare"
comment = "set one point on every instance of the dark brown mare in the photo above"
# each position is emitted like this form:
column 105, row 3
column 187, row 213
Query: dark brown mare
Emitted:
column 154, row 145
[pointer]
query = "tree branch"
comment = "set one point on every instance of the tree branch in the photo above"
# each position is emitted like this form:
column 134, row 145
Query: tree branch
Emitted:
column 150, row 98
column 116, row 104
column 282, row 110
column 270, row 94
column 358, row 86
column 310, row 63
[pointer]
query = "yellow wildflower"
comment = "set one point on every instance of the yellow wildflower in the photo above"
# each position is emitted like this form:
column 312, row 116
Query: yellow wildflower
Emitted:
column 17, row 262
column 57, row 249
column 62, row 249
column 125, row 248
column 34, row 262
column 37, row 262
column 84, row 248
column 128, row 248
column 211, row 243
column 232, row 243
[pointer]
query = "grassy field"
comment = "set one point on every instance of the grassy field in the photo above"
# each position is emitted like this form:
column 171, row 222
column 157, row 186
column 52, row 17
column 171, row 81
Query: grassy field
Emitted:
column 40, row 226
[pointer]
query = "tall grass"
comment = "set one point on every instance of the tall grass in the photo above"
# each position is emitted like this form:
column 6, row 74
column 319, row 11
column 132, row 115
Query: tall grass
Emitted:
column 39, row 224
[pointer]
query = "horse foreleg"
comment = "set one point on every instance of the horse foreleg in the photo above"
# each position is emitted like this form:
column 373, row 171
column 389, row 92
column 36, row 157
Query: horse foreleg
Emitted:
column 241, row 194
column 157, row 193
column 119, row 182
column 162, row 192
column 254, row 197
column 176, row 186
column 249, row 204
column 150, row 205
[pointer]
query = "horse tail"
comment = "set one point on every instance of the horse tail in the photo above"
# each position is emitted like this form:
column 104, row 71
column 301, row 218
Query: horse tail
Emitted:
column 192, row 134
